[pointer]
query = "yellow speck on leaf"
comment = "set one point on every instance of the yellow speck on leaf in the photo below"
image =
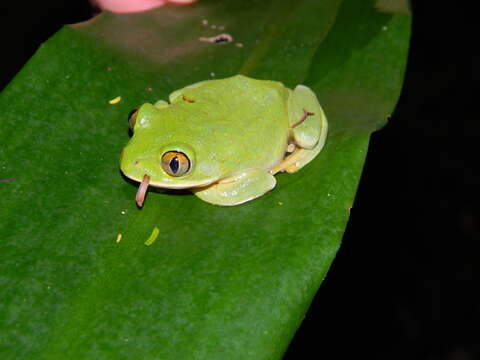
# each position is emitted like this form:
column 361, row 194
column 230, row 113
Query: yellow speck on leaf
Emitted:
column 116, row 100
column 280, row 203
column 119, row 237
column 153, row 236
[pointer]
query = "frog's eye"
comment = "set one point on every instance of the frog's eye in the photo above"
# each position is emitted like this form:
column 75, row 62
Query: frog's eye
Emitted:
column 175, row 163
column 132, row 117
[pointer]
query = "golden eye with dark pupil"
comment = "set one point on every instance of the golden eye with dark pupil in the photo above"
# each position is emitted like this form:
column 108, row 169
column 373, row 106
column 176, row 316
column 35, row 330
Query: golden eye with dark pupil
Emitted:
column 175, row 163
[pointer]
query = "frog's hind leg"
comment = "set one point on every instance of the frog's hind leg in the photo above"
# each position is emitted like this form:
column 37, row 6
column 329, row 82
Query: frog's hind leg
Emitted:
column 238, row 189
column 308, row 129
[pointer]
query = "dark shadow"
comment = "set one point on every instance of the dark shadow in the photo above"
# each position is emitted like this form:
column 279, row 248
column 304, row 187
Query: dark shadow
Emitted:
column 26, row 25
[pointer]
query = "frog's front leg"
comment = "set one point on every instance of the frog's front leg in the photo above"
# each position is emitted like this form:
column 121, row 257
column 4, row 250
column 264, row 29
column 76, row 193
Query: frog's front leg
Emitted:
column 308, row 129
column 237, row 189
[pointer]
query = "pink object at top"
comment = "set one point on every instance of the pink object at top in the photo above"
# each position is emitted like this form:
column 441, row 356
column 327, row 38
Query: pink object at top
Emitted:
column 129, row 6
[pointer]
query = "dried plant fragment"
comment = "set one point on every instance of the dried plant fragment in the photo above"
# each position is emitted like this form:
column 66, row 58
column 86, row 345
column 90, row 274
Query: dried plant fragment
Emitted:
column 142, row 190
column 152, row 237
column 116, row 100
column 219, row 39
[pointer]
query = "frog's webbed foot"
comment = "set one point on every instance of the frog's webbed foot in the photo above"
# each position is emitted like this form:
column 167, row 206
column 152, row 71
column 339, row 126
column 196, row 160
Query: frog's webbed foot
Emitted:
column 308, row 130
column 238, row 189
column 296, row 160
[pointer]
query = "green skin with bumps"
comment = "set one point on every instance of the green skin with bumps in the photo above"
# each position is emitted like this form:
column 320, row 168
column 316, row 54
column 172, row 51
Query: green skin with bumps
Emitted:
column 235, row 133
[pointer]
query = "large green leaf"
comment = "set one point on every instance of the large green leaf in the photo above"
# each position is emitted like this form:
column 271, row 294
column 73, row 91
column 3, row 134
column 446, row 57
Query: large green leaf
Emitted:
column 218, row 283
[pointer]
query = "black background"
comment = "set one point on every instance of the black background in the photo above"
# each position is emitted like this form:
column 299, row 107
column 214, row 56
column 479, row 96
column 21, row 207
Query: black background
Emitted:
column 403, row 285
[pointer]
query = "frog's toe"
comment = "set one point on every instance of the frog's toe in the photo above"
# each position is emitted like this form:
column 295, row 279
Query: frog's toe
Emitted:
column 244, row 187
column 291, row 169
column 298, row 159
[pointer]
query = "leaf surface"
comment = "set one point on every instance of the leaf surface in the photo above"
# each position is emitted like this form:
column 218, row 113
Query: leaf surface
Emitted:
column 218, row 283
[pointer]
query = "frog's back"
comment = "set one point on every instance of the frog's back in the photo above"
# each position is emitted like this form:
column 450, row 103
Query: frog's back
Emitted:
column 241, row 118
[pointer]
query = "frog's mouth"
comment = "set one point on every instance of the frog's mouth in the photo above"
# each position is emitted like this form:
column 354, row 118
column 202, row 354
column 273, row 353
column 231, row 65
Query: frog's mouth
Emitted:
column 145, row 183
column 142, row 190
